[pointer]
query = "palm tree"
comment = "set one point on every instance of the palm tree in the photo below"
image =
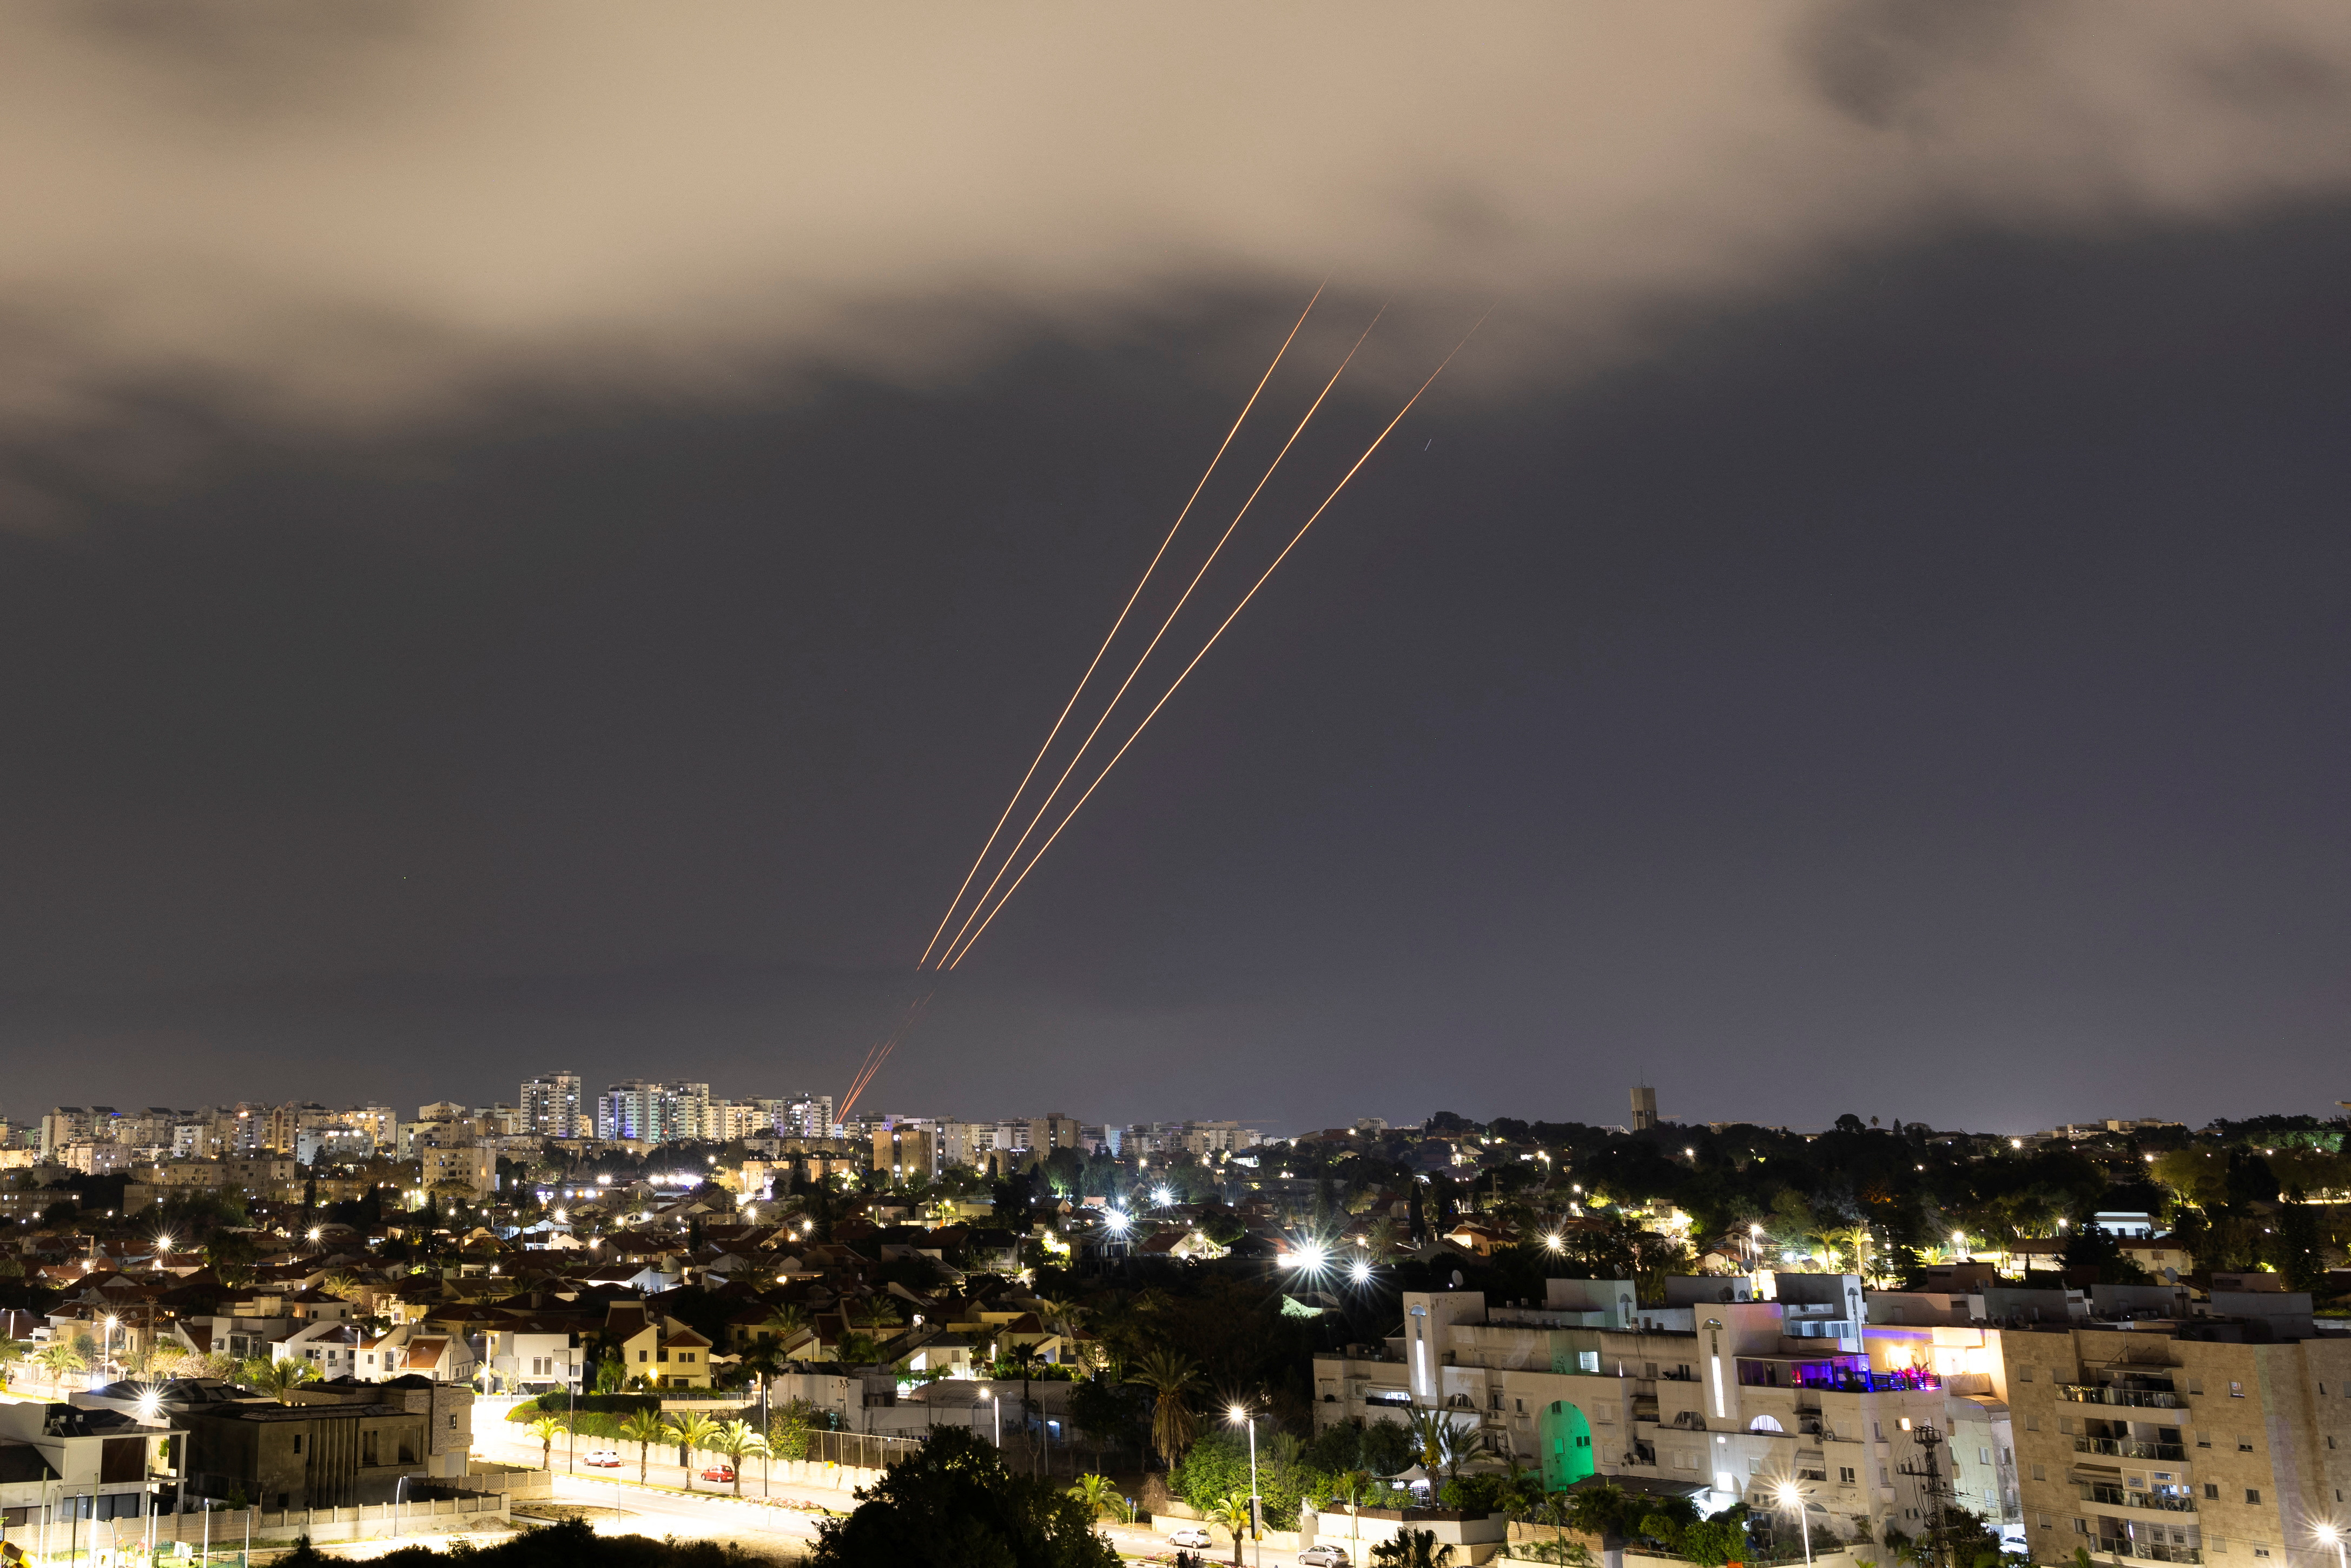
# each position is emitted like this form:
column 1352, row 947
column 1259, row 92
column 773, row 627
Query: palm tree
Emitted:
column 1170, row 1376
column 1231, row 1511
column 276, row 1379
column 1413, row 1549
column 1439, row 1441
column 1025, row 1359
column 737, row 1440
column 1348, row 1492
column 1100, row 1496
column 544, row 1429
column 691, row 1431
column 12, row 1351
column 60, row 1356
column 645, row 1428
column 788, row 1323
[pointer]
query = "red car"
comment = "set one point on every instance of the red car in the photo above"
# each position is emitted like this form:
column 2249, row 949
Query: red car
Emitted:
column 719, row 1473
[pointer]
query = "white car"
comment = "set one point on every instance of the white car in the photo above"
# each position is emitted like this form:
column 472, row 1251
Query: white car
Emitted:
column 602, row 1458
column 1323, row 1557
column 1190, row 1535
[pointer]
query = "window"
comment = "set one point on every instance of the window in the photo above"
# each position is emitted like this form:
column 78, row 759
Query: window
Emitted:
column 2032, row 1420
column 1882, row 1478
column 640, row 1355
column 2244, row 1445
column 661, row 1354
column 298, row 1442
column 2040, row 1472
column 1844, row 1475
column 1588, row 1361
column 1983, row 1456
column 2253, row 1494
column 2236, row 1391
column 2064, row 1423
column 1879, row 1426
column 2203, row 1440
column 2211, row 1492
column 2025, row 1375
column 453, row 1421
column 2195, row 1385
column 2081, row 1525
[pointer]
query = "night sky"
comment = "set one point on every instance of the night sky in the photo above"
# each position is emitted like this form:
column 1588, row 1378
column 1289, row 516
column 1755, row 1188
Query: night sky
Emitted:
column 1896, row 665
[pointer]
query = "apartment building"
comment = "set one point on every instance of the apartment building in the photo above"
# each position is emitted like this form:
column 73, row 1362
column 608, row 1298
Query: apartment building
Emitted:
column 551, row 1105
column 645, row 1112
column 469, row 1165
column 908, row 1147
column 2151, row 1429
column 1714, row 1394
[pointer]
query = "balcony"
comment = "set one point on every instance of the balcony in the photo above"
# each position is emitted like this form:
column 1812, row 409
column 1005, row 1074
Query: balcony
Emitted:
column 2177, row 1501
column 2129, row 1448
column 2103, row 1393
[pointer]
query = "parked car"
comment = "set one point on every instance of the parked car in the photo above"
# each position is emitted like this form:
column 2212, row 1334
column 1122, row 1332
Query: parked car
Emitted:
column 719, row 1473
column 602, row 1458
column 1190, row 1535
column 1323, row 1557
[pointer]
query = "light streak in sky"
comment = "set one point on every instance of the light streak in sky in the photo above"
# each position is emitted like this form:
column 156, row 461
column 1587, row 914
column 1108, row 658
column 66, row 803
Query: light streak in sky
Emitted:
column 1047, row 804
column 956, row 955
column 956, row 902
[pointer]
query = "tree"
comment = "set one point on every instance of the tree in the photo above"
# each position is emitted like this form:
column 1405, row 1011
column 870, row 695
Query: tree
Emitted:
column 1231, row 1512
column 1100, row 1495
column 690, row 1430
column 274, row 1379
column 952, row 1502
column 1025, row 1361
column 60, row 1356
column 738, row 1440
column 1441, row 1441
column 1413, row 1549
column 789, row 1324
column 12, row 1351
column 1170, row 1376
column 645, row 1428
column 544, row 1429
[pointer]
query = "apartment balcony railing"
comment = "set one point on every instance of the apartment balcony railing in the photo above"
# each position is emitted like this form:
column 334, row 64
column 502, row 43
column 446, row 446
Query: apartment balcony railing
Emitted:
column 2129, row 1448
column 2102, row 1394
column 2125, row 1497
column 2148, row 1551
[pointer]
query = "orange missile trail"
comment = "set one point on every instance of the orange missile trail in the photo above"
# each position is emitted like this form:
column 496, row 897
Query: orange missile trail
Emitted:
column 1075, row 758
column 956, row 903
column 880, row 1054
column 957, row 955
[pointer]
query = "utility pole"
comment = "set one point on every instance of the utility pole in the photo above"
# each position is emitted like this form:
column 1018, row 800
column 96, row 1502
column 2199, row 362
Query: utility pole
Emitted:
column 1933, row 1491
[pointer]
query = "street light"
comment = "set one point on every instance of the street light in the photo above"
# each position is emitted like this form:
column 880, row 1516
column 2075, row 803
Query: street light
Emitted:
column 1242, row 1417
column 1789, row 1496
column 1360, row 1271
column 2330, row 1535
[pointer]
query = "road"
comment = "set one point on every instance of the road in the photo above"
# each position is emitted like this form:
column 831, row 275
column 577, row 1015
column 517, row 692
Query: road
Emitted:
column 713, row 1512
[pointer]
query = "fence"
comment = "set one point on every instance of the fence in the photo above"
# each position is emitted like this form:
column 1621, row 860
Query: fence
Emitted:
column 220, row 1536
column 859, row 1450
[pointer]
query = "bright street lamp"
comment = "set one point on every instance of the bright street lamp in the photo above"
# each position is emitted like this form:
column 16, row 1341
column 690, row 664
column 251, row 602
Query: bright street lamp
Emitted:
column 2330, row 1535
column 1242, row 1417
column 1789, row 1496
column 1360, row 1271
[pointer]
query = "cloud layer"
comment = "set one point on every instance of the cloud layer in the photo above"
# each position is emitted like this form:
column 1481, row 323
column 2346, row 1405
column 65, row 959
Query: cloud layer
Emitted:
column 373, row 211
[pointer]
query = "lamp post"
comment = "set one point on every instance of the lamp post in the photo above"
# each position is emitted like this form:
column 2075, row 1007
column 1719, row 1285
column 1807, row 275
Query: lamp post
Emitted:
column 1242, row 1417
column 1789, row 1496
column 2331, row 1535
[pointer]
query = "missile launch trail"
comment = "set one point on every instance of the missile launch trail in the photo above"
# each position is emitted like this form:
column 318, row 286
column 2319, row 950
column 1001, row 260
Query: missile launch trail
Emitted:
column 956, row 955
column 1075, row 758
column 956, row 902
